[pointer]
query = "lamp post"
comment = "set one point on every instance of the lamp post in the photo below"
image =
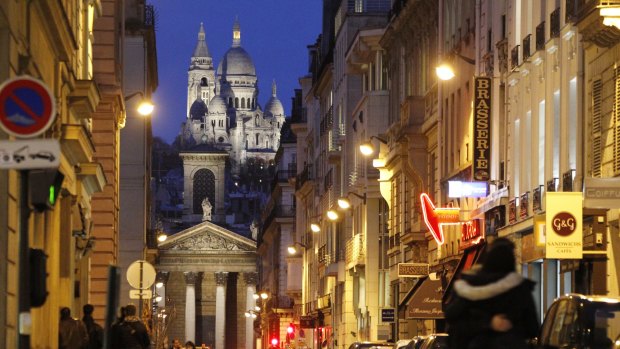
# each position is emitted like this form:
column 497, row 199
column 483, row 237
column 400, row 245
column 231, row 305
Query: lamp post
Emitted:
column 367, row 148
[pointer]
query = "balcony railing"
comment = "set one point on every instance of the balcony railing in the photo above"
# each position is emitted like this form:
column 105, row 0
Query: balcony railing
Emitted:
column 502, row 55
column 281, row 176
column 355, row 250
column 327, row 121
column 526, row 46
column 514, row 57
column 306, row 174
column 540, row 36
column 554, row 23
column 279, row 211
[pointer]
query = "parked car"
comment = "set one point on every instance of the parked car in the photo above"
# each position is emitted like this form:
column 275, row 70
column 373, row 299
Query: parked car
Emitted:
column 435, row 341
column 371, row 345
column 416, row 342
column 578, row 322
column 402, row 344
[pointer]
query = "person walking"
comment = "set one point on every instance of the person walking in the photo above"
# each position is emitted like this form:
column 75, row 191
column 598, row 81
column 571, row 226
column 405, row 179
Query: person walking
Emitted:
column 71, row 333
column 130, row 333
column 94, row 330
column 492, row 305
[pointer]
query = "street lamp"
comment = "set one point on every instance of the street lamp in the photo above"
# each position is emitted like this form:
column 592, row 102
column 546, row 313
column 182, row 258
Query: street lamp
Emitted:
column 251, row 313
column 292, row 250
column 344, row 202
column 145, row 107
column 445, row 71
column 332, row 215
column 161, row 236
column 315, row 227
column 367, row 148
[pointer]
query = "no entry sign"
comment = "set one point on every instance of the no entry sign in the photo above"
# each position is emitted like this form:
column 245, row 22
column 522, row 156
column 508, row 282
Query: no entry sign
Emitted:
column 27, row 107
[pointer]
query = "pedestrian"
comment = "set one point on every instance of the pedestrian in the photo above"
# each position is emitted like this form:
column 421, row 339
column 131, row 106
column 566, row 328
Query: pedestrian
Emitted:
column 130, row 333
column 176, row 344
column 94, row 330
column 190, row 345
column 492, row 305
column 71, row 333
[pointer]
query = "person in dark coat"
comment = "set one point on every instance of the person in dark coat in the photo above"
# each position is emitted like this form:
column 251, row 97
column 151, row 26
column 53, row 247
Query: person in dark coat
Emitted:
column 492, row 305
column 94, row 330
column 131, row 332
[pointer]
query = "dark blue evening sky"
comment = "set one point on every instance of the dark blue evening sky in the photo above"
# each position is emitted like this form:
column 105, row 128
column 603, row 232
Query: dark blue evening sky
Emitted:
column 274, row 32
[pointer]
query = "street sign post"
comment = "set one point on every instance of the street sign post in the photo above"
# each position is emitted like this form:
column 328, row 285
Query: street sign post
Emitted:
column 29, row 154
column 141, row 275
column 27, row 107
column 140, row 294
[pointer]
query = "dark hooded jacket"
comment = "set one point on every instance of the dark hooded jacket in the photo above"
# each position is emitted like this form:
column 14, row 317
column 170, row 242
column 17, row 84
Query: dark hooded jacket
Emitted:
column 495, row 288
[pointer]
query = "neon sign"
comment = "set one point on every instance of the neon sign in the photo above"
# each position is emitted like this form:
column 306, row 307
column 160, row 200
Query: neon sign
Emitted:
column 436, row 217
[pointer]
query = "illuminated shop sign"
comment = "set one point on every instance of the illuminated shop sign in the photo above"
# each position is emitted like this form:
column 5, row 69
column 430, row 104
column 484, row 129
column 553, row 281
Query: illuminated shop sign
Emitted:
column 482, row 128
column 437, row 217
column 458, row 189
column 564, row 221
column 471, row 233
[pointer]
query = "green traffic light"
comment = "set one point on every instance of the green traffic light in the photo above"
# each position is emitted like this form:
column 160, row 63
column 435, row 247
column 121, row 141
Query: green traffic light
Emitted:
column 52, row 196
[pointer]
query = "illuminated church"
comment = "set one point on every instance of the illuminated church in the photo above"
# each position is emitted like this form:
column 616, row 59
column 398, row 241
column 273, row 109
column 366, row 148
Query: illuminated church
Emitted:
column 223, row 110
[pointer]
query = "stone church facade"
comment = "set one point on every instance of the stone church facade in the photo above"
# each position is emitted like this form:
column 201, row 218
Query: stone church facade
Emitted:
column 211, row 281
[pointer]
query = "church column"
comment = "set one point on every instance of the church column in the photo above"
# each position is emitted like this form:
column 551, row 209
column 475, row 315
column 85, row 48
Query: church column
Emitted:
column 190, row 305
column 220, row 309
column 250, row 282
column 160, row 290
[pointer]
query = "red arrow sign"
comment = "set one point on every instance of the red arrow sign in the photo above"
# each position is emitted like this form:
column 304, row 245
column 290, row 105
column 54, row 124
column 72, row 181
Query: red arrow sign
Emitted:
column 435, row 218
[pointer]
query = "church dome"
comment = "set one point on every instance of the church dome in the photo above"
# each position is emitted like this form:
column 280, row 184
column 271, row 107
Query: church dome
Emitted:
column 274, row 106
column 198, row 110
column 217, row 105
column 236, row 61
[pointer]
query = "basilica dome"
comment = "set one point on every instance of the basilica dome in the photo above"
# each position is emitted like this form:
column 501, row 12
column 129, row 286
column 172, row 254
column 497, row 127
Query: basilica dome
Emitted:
column 236, row 61
column 274, row 107
column 197, row 110
column 217, row 105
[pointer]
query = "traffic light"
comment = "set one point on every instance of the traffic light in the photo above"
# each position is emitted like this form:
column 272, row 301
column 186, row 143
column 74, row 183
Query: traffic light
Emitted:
column 38, row 276
column 44, row 187
column 290, row 332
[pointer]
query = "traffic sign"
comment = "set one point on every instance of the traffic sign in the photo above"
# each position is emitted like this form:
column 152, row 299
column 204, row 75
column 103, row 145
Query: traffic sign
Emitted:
column 140, row 294
column 27, row 107
column 29, row 154
column 141, row 274
column 388, row 315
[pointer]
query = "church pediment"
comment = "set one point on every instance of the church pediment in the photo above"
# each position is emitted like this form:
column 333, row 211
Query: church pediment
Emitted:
column 208, row 237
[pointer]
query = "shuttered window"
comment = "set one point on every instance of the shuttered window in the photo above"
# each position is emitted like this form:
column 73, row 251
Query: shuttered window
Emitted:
column 597, row 86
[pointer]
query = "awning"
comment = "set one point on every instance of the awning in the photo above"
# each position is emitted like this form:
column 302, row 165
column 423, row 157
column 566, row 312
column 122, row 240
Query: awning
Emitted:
column 425, row 302
column 470, row 257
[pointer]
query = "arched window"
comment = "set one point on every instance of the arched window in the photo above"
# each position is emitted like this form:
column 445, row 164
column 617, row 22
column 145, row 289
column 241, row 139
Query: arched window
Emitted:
column 242, row 102
column 267, row 144
column 236, row 102
column 203, row 186
column 230, row 102
column 203, row 82
column 257, row 139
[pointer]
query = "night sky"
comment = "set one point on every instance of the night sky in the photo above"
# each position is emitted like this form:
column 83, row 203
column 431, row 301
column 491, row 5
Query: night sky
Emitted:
column 274, row 32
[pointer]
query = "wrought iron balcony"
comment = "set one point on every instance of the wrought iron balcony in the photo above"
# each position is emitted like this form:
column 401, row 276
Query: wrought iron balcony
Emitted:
column 526, row 47
column 305, row 175
column 554, row 23
column 540, row 36
column 502, row 55
column 514, row 57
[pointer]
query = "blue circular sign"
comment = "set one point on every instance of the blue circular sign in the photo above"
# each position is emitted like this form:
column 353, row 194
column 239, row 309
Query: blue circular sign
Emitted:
column 27, row 107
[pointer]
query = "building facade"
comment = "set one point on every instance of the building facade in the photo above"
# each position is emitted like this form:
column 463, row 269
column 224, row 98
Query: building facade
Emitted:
column 54, row 43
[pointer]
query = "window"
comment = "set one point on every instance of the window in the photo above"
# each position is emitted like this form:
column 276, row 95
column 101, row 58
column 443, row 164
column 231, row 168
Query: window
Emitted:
column 236, row 102
column 203, row 186
column 257, row 139
column 242, row 102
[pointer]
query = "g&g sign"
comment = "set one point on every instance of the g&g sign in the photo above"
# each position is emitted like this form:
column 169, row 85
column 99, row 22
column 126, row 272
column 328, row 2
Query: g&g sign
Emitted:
column 564, row 232
column 564, row 223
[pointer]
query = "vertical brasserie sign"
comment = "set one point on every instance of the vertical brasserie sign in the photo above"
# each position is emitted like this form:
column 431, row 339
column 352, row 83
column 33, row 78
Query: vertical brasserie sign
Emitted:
column 482, row 128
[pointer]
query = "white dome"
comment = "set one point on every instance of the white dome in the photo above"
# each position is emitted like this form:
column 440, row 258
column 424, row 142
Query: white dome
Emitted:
column 236, row 61
column 274, row 107
column 217, row 105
